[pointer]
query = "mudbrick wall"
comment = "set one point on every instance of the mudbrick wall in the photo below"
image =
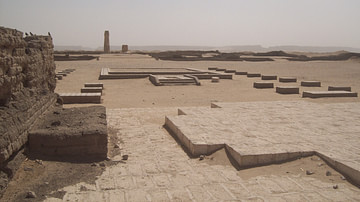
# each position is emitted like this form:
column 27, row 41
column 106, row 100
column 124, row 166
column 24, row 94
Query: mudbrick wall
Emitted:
column 27, row 83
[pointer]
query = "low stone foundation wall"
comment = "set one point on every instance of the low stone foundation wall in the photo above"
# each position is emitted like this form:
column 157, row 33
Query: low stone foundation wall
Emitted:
column 75, row 133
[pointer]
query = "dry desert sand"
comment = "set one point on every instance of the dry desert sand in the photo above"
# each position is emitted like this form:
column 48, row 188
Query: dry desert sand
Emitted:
column 128, row 93
column 158, row 167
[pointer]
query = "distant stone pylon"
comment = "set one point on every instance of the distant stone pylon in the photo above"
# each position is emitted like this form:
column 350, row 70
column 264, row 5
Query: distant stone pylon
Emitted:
column 106, row 42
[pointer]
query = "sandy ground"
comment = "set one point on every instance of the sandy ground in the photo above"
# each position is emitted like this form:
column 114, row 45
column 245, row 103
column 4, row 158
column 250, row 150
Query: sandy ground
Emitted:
column 47, row 178
column 141, row 93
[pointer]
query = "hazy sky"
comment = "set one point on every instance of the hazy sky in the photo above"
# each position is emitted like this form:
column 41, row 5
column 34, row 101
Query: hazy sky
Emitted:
column 188, row 22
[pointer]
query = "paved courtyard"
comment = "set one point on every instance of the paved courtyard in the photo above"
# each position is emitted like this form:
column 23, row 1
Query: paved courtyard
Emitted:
column 267, row 132
column 158, row 169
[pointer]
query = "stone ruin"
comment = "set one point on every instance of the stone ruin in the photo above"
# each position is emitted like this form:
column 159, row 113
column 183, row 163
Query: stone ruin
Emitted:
column 163, row 76
column 124, row 48
column 27, row 83
column 106, row 42
column 28, row 102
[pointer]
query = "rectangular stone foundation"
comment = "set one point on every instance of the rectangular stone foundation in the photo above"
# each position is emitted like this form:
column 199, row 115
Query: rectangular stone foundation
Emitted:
column 73, row 98
column 209, row 76
column 253, row 75
column 230, row 71
column 320, row 94
column 201, row 131
column 263, row 85
column 311, row 83
column 287, row 79
column 287, row 90
column 42, row 142
column 131, row 73
column 161, row 80
column 91, row 90
column 337, row 88
column 268, row 77
column 240, row 73
column 94, row 85
column 71, row 133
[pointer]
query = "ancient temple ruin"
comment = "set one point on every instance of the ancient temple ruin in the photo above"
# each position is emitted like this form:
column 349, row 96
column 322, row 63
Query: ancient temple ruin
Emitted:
column 27, row 86
column 28, row 100
column 124, row 48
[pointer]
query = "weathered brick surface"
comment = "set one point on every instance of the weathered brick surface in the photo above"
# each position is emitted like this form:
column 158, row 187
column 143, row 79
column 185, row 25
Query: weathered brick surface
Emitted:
column 16, row 121
column 27, row 83
column 24, row 63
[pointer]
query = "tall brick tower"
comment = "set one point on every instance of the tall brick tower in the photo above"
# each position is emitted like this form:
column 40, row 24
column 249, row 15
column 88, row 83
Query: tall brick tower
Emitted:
column 106, row 42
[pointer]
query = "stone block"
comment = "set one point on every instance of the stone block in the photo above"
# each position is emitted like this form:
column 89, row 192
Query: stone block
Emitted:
column 337, row 88
column 94, row 85
column 287, row 90
column 263, row 85
column 240, row 73
column 160, row 80
column 70, row 133
column 209, row 76
column 253, row 75
column 287, row 79
column 220, row 69
column 311, row 83
column 230, row 71
column 320, row 94
column 215, row 79
column 154, row 80
column 212, row 68
column 91, row 90
column 268, row 77
column 73, row 98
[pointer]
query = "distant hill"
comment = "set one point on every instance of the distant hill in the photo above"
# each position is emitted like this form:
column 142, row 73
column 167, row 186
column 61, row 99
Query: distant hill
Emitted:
column 318, row 49
column 252, row 48
column 72, row 48
column 164, row 48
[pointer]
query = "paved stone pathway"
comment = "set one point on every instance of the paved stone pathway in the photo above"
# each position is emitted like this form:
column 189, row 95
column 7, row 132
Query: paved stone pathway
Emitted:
column 269, row 131
column 158, row 169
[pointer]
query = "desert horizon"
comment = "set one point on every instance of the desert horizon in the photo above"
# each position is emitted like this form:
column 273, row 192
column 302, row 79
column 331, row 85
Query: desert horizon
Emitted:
column 233, row 48
column 250, row 100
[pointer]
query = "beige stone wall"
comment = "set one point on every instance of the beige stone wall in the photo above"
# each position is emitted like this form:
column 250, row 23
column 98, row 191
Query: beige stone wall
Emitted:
column 27, row 83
